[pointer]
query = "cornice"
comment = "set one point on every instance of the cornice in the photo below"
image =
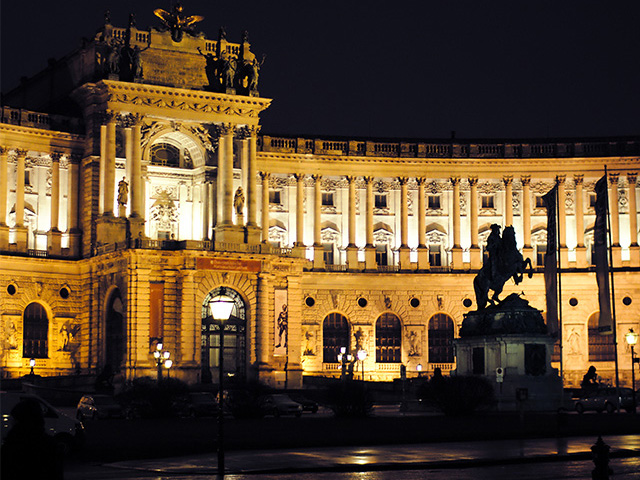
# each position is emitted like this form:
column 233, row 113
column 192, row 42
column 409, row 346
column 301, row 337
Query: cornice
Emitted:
column 31, row 138
column 177, row 103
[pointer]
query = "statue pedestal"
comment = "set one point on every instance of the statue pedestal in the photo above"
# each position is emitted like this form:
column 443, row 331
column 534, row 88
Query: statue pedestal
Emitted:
column 122, row 211
column 229, row 234
column 512, row 336
column 240, row 219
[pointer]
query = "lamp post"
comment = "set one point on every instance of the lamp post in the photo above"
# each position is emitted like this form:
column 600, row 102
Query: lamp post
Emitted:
column 632, row 338
column 32, row 363
column 345, row 359
column 221, row 306
column 162, row 358
column 362, row 354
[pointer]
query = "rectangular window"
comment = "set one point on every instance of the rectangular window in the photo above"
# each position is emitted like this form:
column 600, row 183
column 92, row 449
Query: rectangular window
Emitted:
column 327, row 199
column 435, row 257
column 328, row 253
column 487, row 201
column 535, row 359
column 541, row 251
column 592, row 200
column 381, row 255
column 477, row 360
column 539, row 202
column 380, row 200
column 434, row 202
column 274, row 197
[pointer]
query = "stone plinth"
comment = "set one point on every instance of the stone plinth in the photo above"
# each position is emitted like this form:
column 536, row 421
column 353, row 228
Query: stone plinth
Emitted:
column 111, row 230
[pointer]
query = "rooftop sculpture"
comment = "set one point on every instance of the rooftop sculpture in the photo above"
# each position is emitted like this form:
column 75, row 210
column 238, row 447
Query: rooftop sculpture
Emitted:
column 176, row 22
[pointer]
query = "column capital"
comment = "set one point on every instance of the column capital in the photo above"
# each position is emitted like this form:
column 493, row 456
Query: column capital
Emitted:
column 350, row 178
column 421, row 181
column 55, row 156
column 109, row 116
column 455, row 181
column 632, row 177
column 316, row 178
column 226, row 128
column 299, row 176
column 561, row 179
column 21, row 152
column 613, row 179
column 473, row 181
column 403, row 180
column 369, row 179
column 253, row 130
column 578, row 178
column 507, row 180
column 525, row 180
column 265, row 175
column 132, row 120
column 4, row 150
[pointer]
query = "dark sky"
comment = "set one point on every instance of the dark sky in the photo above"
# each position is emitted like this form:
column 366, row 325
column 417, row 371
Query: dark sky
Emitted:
column 395, row 68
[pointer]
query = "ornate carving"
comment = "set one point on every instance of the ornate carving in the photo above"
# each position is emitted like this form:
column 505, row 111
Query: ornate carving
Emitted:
column 525, row 180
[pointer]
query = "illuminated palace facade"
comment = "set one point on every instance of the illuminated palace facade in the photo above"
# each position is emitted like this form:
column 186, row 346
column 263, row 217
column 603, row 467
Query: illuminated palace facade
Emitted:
column 133, row 191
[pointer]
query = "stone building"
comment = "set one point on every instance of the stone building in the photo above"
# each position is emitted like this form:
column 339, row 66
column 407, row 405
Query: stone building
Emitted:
column 136, row 184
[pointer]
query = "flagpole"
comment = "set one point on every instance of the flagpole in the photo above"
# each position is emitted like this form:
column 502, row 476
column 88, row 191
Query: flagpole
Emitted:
column 559, row 280
column 613, row 294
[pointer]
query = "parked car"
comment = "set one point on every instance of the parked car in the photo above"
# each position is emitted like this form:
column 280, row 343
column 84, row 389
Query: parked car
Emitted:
column 66, row 431
column 280, row 404
column 198, row 404
column 605, row 398
column 98, row 406
column 307, row 405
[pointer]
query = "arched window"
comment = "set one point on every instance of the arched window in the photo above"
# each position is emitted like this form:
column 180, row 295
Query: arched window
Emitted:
column 36, row 330
column 388, row 339
column 441, row 338
column 165, row 154
column 601, row 348
column 335, row 334
column 235, row 339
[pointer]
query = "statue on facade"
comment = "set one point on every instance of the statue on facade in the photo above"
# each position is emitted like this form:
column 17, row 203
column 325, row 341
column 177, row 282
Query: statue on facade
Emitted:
column 229, row 72
column 254, row 73
column 123, row 192
column 113, row 58
column 176, row 22
column 503, row 261
column 211, row 69
column 238, row 201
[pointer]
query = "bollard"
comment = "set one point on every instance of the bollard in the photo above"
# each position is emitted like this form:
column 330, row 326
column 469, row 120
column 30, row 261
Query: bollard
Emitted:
column 601, row 460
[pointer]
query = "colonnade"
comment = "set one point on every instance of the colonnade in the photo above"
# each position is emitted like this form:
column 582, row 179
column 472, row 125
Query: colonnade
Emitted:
column 54, row 235
column 455, row 219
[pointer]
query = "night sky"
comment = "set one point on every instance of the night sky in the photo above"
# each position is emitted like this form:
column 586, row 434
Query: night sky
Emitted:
column 411, row 69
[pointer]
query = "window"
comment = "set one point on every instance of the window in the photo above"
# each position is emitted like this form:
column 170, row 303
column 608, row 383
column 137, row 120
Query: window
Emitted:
column 327, row 199
column 327, row 253
column 535, row 359
column 435, row 257
column 381, row 200
column 487, row 201
column 477, row 360
column 381, row 255
column 434, row 202
column 540, row 202
column 601, row 348
column 36, row 330
column 440, row 338
column 335, row 334
column 541, row 251
column 592, row 200
column 388, row 339
column 165, row 154
column 274, row 197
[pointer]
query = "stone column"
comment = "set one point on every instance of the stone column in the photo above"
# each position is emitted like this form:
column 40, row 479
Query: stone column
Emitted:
column 227, row 180
column 54, row 236
column 318, row 254
column 581, row 250
column 614, row 212
column 265, row 206
column 404, row 251
column 352, row 250
column 527, row 249
column 137, row 198
column 508, row 200
column 476, row 257
column 206, row 209
column 423, row 251
column 456, row 251
column 4, row 189
column 562, row 221
column 110, row 166
column 633, row 220
column 21, row 230
column 264, row 322
column 369, row 249
column 299, row 209
column 72, row 205
column 253, row 231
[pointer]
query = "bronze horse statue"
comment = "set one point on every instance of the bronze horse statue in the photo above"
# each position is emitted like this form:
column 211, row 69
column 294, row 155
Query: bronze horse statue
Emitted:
column 504, row 262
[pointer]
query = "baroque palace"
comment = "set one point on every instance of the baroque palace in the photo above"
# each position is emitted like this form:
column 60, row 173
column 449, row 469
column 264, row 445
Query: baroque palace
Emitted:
column 136, row 185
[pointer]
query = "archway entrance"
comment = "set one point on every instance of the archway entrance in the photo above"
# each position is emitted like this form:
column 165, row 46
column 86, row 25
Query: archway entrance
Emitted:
column 235, row 339
column 115, row 333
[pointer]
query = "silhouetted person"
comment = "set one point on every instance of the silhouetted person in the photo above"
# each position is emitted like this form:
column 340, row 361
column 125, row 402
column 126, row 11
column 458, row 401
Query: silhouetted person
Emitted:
column 590, row 380
column 28, row 452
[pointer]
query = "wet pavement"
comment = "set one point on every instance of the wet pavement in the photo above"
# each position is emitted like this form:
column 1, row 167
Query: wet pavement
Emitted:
column 454, row 460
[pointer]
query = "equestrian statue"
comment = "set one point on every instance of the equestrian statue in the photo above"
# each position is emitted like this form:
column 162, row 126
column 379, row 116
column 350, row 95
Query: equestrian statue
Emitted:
column 501, row 262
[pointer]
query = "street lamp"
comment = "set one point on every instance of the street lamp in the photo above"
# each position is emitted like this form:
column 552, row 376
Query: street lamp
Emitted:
column 345, row 359
column 162, row 358
column 362, row 354
column 632, row 338
column 32, row 363
column 221, row 307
